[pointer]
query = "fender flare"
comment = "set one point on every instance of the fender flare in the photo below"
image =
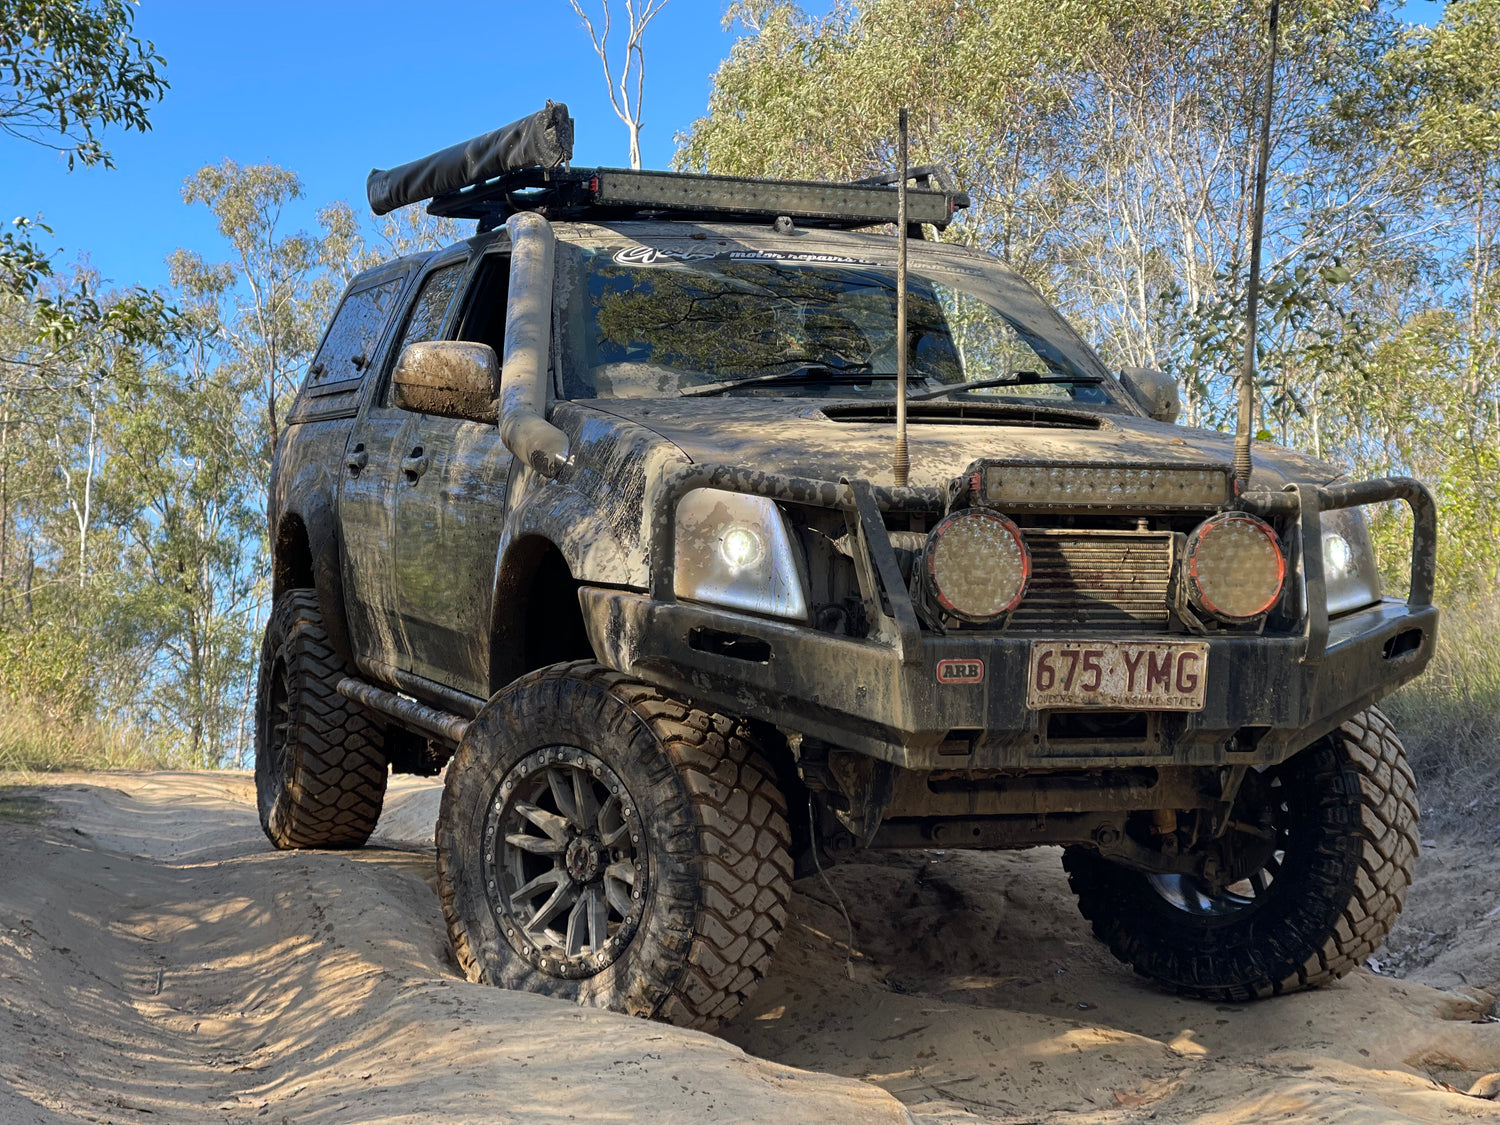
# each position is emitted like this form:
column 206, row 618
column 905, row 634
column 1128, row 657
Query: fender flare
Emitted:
column 309, row 499
column 559, row 520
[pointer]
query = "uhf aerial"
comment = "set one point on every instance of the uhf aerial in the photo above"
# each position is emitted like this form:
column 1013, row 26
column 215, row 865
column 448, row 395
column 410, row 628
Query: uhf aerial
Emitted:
column 1246, row 421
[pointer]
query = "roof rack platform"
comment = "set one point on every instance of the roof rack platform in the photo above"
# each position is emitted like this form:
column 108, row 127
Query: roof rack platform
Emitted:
column 524, row 167
column 621, row 193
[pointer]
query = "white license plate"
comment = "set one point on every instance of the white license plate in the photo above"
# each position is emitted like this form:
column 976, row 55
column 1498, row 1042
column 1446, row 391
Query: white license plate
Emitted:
column 1121, row 675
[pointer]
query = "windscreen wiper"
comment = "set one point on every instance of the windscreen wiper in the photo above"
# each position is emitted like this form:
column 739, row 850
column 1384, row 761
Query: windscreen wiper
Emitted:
column 1019, row 379
column 807, row 373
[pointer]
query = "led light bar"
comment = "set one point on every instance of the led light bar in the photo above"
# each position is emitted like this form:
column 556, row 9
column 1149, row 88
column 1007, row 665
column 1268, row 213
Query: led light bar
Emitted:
column 1105, row 486
column 806, row 199
column 620, row 192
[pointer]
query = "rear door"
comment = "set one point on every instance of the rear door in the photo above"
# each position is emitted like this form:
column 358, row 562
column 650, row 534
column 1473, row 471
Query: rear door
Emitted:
column 450, row 511
column 380, row 440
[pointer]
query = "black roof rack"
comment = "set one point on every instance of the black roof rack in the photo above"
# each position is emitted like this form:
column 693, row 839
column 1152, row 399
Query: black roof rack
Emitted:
column 620, row 193
column 524, row 167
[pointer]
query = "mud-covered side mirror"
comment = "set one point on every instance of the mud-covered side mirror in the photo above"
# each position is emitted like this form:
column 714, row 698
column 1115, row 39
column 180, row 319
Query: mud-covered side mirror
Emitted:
column 1154, row 391
column 449, row 378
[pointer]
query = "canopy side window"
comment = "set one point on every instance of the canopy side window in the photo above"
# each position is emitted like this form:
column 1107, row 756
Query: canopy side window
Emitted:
column 348, row 350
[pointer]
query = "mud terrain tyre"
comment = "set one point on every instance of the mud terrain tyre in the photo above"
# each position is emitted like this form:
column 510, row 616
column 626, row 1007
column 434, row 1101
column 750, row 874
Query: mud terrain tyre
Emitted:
column 320, row 773
column 604, row 843
column 1346, row 852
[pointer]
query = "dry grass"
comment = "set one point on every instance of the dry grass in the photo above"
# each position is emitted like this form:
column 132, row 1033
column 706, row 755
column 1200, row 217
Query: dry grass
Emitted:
column 1449, row 719
column 35, row 739
column 16, row 806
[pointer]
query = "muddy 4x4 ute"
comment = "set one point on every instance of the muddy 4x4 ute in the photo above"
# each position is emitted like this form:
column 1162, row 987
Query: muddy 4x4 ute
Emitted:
column 599, row 504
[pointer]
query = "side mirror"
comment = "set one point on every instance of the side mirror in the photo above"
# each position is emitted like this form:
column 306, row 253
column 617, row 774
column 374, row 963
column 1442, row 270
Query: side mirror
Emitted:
column 449, row 378
column 1154, row 391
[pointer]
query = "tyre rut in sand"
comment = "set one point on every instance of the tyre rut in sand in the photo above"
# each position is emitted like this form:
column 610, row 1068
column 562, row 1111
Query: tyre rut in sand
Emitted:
column 603, row 842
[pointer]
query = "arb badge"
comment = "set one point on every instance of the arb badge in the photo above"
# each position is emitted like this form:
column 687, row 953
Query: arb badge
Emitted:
column 960, row 671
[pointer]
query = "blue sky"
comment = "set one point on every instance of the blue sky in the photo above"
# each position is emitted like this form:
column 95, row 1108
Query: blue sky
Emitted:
column 330, row 89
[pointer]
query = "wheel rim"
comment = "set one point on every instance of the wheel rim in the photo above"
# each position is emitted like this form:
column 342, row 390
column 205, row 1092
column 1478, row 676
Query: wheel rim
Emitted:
column 279, row 719
column 1255, row 851
column 566, row 873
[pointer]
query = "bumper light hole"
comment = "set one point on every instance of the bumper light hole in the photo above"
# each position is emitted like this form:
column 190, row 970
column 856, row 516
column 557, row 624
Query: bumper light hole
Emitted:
column 734, row 645
column 1402, row 643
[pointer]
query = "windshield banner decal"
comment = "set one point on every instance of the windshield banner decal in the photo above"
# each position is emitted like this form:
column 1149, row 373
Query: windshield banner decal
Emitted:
column 653, row 255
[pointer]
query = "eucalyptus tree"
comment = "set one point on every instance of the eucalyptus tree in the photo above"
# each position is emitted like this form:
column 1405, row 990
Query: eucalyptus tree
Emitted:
column 273, row 283
column 69, row 70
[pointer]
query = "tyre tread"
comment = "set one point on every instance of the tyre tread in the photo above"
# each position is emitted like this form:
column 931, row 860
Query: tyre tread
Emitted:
column 1370, row 776
column 742, row 848
column 337, row 788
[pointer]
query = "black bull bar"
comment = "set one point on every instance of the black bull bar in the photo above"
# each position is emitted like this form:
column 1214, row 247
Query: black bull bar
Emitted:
column 880, row 695
column 889, row 601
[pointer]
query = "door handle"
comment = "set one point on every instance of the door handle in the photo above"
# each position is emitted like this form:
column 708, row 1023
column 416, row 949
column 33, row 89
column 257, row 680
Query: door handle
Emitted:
column 414, row 465
column 357, row 460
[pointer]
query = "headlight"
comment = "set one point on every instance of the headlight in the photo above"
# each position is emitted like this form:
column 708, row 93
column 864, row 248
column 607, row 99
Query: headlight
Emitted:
column 1348, row 561
column 977, row 564
column 1235, row 568
column 734, row 550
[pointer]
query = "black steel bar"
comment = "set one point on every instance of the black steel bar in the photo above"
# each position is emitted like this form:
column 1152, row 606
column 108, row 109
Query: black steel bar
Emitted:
column 1310, row 570
column 1355, row 494
column 1423, row 524
column 875, row 541
column 430, row 720
column 901, row 467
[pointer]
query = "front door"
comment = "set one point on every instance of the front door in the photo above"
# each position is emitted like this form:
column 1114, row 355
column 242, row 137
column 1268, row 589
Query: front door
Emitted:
column 371, row 481
column 450, row 511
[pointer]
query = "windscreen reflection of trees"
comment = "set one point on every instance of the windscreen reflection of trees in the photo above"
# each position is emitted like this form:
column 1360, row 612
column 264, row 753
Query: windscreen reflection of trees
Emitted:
column 990, row 347
column 702, row 323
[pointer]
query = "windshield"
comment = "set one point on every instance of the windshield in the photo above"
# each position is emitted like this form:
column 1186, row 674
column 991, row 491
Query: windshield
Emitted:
column 649, row 323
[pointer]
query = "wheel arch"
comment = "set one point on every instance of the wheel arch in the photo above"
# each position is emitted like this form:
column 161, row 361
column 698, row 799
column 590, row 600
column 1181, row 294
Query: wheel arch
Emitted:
column 536, row 619
column 305, row 554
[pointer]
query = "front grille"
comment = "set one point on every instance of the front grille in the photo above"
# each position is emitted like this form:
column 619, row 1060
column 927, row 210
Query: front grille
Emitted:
column 1085, row 580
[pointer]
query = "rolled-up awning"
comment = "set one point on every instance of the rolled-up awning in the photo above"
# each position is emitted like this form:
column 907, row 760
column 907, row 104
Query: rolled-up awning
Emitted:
column 543, row 140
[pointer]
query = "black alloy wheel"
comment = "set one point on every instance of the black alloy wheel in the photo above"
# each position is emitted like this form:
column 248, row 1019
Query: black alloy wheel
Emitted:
column 605, row 843
column 1319, row 857
column 567, row 870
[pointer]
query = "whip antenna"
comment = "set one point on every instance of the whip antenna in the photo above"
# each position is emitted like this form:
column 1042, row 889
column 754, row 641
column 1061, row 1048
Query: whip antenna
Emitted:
column 1246, row 422
column 902, row 462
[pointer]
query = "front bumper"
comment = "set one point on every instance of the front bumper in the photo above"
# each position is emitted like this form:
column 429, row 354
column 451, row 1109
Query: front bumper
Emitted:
column 1267, row 696
column 1263, row 704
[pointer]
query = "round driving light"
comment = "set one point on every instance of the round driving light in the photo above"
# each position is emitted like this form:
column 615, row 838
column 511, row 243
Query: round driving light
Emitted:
column 1337, row 554
column 741, row 547
column 977, row 564
column 1235, row 568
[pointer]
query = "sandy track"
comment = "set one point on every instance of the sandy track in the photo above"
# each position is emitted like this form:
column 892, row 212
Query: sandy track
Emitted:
column 158, row 962
column 156, row 956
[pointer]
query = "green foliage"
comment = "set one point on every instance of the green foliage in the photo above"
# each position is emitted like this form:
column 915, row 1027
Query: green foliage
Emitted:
column 74, row 69
column 1107, row 149
column 23, row 263
column 136, row 435
column 274, row 287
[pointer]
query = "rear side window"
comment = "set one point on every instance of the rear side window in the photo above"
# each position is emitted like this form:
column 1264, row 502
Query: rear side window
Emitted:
column 349, row 347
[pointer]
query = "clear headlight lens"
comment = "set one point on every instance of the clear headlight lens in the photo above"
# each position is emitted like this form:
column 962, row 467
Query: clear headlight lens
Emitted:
column 1235, row 567
column 977, row 564
column 734, row 550
column 1349, row 572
